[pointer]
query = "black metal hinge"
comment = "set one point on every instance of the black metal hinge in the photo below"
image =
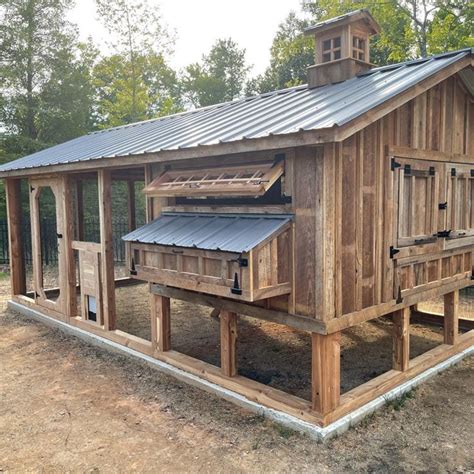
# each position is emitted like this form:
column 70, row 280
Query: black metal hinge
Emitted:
column 59, row 236
column 432, row 171
column 236, row 290
column 443, row 233
column 243, row 262
column 453, row 171
column 393, row 251
column 407, row 169
column 31, row 189
column 132, row 269
column 394, row 164
column 472, row 173
column 443, row 206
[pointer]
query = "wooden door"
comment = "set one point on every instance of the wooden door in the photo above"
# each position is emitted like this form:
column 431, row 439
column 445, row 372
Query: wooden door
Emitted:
column 459, row 205
column 418, row 188
column 53, row 186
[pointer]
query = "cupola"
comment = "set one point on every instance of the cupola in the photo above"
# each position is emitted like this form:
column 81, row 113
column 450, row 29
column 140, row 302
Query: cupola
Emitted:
column 342, row 47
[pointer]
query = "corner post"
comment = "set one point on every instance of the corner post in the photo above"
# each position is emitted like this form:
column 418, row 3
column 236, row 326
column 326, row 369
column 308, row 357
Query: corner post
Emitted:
column 160, row 323
column 326, row 372
column 451, row 317
column 228, row 321
column 401, row 339
column 107, row 248
column 14, row 216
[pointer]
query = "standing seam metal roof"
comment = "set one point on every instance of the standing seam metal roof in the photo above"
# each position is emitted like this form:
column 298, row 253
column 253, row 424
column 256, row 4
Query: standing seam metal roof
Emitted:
column 229, row 233
column 276, row 113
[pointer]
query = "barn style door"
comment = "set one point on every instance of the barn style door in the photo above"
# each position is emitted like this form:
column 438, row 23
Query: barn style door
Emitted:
column 460, row 205
column 418, row 187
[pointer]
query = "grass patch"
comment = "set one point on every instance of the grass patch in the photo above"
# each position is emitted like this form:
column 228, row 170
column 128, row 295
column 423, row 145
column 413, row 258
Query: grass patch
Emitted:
column 4, row 276
column 398, row 403
column 284, row 432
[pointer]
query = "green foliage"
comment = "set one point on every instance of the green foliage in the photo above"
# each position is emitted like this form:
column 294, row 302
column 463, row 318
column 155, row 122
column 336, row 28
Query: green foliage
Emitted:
column 219, row 77
column 291, row 54
column 135, row 82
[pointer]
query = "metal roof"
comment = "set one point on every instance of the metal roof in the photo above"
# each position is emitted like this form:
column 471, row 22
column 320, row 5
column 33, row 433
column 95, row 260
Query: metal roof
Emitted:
column 272, row 114
column 230, row 233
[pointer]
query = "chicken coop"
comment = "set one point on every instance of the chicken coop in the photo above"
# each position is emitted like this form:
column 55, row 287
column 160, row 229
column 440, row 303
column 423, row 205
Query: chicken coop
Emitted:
column 317, row 207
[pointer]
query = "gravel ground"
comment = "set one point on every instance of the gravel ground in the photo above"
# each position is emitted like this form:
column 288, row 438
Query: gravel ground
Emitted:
column 69, row 406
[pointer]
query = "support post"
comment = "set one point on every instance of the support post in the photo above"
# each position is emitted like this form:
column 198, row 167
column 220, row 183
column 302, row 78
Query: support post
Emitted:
column 401, row 339
column 67, row 210
column 131, row 205
column 326, row 372
column 79, row 210
column 451, row 317
column 160, row 323
column 107, row 248
column 14, row 216
column 228, row 343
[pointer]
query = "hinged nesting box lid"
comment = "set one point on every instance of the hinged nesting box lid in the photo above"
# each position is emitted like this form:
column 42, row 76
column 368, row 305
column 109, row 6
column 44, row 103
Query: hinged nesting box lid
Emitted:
column 225, row 232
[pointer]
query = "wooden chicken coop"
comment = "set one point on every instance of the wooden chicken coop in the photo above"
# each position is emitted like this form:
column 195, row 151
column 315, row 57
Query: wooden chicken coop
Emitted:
column 317, row 207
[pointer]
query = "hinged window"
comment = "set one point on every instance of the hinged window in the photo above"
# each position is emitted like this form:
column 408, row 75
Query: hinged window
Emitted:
column 248, row 180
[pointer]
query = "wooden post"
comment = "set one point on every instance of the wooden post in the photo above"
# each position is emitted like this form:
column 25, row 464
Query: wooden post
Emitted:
column 228, row 343
column 451, row 317
column 107, row 248
column 160, row 323
column 14, row 215
column 326, row 371
column 401, row 339
column 131, row 205
column 67, row 211
column 79, row 210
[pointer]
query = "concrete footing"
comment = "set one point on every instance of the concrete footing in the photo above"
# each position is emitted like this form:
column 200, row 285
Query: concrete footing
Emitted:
column 315, row 432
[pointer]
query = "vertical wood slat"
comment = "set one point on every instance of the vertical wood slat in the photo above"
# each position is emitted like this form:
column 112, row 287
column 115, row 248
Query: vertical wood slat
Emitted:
column 14, row 216
column 228, row 322
column 326, row 372
column 107, row 249
column 160, row 311
column 67, row 211
column 451, row 317
column 401, row 339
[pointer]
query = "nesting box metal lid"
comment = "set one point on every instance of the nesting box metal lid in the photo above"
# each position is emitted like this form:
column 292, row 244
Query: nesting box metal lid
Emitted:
column 225, row 232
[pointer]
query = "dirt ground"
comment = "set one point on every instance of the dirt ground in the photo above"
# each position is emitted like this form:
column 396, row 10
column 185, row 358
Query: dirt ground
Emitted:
column 69, row 406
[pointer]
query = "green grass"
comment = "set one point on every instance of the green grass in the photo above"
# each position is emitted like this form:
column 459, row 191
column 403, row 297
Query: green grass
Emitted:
column 284, row 432
column 398, row 403
column 4, row 276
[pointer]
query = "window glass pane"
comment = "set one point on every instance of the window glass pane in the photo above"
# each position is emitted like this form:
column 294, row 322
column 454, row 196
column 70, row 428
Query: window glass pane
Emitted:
column 337, row 54
column 337, row 42
column 326, row 57
column 355, row 41
column 326, row 45
column 362, row 56
column 354, row 53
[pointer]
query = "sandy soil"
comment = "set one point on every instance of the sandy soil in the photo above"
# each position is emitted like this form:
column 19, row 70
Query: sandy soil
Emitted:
column 68, row 406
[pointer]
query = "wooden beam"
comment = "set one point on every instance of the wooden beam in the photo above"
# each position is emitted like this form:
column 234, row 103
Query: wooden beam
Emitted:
column 326, row 372
column 107, row 248
column 451, row 317
column 160, row 323
column 67, row 210
column 131, row 205
column 14, row 216
column 401, row 339
column 228, row 343
column 295, row 321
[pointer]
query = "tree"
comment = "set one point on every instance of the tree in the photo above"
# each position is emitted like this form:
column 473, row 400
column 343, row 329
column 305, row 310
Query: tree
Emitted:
column 219, row 77
column 291, row 54
column 135, row 82
column 34, row 35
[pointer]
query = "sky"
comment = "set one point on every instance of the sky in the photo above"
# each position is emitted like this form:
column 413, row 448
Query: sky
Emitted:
column 199, row 23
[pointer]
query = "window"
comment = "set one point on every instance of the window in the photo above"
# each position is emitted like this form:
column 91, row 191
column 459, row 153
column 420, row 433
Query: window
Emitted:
column 248, row 180
column 332, row 49
column 358, row 48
